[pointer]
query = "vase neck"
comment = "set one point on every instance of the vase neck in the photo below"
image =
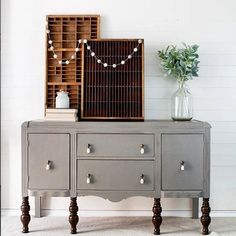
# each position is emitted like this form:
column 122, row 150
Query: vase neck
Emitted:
column 181, row 84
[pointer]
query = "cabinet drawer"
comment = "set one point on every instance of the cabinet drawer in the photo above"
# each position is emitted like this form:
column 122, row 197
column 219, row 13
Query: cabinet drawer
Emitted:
column 55, row 149
column 114, row 175
column 186, row 150
column 136, row 145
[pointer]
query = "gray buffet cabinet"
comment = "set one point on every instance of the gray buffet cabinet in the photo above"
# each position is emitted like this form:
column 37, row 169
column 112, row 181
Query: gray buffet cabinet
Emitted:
column 116, row 160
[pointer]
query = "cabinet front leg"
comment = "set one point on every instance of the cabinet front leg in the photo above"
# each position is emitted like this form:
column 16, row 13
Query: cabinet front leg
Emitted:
column 157, row 219
column 73, row 218
column 205, row 218
column 25, row 217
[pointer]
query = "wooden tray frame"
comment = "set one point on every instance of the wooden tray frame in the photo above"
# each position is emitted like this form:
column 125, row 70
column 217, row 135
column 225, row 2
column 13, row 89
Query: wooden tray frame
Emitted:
column 65, row 30
column 133, row 112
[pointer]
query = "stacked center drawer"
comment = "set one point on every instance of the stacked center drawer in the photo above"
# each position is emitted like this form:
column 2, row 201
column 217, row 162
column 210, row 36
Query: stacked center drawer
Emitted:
column 115, row 162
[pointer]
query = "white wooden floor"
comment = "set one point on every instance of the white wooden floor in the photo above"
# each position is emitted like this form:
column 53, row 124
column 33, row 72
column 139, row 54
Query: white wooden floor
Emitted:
column 116, row 226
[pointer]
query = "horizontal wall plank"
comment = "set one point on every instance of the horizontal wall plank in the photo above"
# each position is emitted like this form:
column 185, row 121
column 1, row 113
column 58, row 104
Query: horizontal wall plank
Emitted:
column 224, row 126
column 222, row 185
column 214, row 92
column 199, row 82
column 205, row 71
column 223, row 137
column 199, row 104
column 206, row 59
column 223, row 149
column 223, row 160
column 210, row 93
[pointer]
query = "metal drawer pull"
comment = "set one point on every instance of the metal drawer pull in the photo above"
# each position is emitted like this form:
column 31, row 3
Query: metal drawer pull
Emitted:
column 88, row 179
column 182, row 167
column 49, row 165
column 142, row 151
column 141, row 179
column 88, row 149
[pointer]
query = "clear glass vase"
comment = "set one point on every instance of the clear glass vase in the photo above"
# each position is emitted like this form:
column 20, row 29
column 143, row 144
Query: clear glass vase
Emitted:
column 182, row 104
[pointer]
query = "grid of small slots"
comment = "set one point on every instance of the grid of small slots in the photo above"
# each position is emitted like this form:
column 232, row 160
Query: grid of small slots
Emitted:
column 65, row 31
column 113, row 93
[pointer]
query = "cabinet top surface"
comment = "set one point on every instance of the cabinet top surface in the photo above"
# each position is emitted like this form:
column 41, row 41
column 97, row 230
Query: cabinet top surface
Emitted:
column 155, row 124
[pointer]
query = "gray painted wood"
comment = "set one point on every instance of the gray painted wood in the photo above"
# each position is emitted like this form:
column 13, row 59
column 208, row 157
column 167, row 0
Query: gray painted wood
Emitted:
column 37, row 206
column 48, row 147
column 115, row 175
column 186, row 148
column 157, row 164
column 73, row 172
column 207, row 163
column 195, row 208
column 24, row 159
column 49, row 193
column 182, row 194
column 115, row 145
column 118, row 127
column 115, row 196
column 124, row 139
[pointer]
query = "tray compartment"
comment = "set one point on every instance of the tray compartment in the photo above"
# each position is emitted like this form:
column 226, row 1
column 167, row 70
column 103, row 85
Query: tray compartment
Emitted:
column 113, row 93
column 65, row 31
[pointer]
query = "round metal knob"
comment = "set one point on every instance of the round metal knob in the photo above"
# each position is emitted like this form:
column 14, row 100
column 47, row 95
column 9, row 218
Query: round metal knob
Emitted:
column 88, row 179
column 142, row 151
column 88, row 149
column 182, row 167
column 48, row 165
column 142, row 179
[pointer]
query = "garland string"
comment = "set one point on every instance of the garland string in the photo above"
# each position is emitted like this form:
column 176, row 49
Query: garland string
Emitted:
column 92, row 53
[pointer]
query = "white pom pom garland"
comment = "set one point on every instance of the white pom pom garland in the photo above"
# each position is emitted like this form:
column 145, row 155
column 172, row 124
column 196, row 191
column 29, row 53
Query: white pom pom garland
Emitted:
column 92, row 53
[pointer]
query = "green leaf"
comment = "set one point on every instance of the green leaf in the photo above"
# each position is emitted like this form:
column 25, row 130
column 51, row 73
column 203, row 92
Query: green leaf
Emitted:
column 195, row 47
column 180, row 62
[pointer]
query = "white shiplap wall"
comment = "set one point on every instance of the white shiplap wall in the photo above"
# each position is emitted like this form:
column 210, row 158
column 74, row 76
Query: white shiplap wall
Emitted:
column 211, row 24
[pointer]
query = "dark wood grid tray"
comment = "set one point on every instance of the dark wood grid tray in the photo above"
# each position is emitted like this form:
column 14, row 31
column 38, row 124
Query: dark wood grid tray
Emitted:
column 65, row 31
column 113, row 93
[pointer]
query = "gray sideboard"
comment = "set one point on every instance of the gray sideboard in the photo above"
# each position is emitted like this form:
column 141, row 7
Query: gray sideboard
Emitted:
column 116, row 160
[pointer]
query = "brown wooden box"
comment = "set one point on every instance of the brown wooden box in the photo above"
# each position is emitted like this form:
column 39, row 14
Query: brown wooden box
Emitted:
column 113, row 93
column 65, row 31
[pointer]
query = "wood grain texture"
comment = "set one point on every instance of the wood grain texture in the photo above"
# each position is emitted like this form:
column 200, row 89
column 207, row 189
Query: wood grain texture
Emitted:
column 25, row 217
column 73, row 218
column 65, row 31
column 113, row 93
column 157, row 219
column 205, row 218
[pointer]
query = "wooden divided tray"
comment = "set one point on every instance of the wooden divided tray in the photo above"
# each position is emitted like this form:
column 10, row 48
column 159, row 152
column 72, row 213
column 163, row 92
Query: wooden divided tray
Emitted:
column 113, row 93
column 65, row 31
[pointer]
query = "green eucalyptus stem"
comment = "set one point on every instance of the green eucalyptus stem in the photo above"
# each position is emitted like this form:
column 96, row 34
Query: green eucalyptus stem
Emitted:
column 181, row 83
column 182, row 63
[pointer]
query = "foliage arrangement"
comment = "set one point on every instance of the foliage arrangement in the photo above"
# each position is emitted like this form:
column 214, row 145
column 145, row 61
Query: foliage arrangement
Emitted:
column 180, row 63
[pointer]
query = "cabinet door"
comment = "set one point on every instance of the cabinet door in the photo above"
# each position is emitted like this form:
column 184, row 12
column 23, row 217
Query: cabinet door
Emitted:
column 186, row 150
column 55, row 149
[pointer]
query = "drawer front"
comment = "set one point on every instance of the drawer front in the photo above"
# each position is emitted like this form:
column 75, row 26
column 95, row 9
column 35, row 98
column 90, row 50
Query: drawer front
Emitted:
column 114, row 175
column 55, row 149
column 136, row 145
column 182, row 161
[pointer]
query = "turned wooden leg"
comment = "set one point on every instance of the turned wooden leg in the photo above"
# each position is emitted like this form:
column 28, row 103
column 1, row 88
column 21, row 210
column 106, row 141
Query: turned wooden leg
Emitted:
column 25, row 217
column 205, row 218
column 73, row 218
column 157, row 219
